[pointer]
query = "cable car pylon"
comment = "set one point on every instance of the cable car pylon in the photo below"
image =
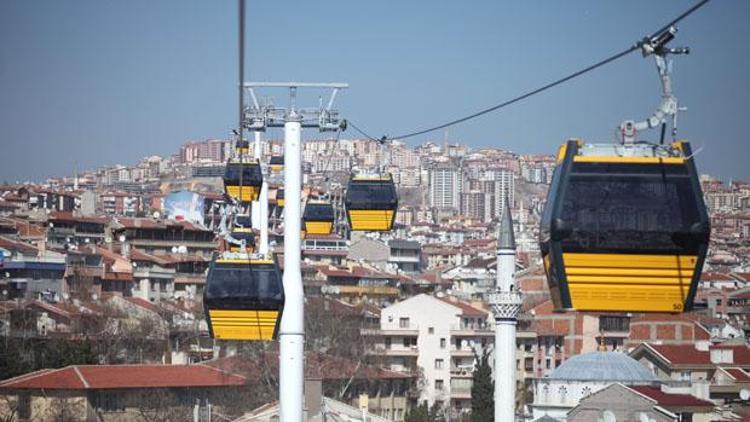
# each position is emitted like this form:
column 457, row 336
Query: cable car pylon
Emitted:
column 291, row 333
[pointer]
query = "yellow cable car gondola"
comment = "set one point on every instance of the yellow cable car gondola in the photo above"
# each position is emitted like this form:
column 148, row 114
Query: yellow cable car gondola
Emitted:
column 242, row 234
column 277, row 163
column 625, row 228
column 280, row 197
column 243, row 299
column 318, row 217
column 242, row 231
column 371, row 203
column 243, row 180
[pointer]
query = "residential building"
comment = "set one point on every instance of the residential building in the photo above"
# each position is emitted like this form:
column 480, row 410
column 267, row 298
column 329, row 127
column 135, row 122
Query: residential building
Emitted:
column 445, row 186
column 119, row 392
column 440, row 336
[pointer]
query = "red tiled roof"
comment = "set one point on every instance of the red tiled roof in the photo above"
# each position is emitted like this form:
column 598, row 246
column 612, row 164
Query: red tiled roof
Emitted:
column 740, row 294
column 741, row 353
column 68, row 216
column 669, row 399
column 89, row 377
column 143, row 303
column 738, row 374
column 684, row 354
column 15, row 245
column 317, row 365
column 466, row 309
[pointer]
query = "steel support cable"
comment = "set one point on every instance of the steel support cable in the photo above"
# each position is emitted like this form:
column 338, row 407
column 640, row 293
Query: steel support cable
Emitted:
column 241, row 47
column 539, row 90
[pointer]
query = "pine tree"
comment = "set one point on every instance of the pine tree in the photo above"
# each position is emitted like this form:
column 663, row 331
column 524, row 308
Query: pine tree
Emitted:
column 482, row 390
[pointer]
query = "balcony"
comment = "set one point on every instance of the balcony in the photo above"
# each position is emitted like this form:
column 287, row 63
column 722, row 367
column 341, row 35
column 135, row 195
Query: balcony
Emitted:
column 404, row 259
column 472, row 330
column 462, row 352
column 460, row 392
column 393, row 332
column 412, row 351
column 462, row 371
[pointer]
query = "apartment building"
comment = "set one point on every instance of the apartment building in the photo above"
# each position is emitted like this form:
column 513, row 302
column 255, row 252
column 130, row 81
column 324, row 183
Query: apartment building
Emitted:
column 440, row 336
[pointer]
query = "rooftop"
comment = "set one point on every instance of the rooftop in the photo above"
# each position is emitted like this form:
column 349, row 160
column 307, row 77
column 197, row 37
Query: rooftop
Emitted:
column 605, row 367
column 94, row 377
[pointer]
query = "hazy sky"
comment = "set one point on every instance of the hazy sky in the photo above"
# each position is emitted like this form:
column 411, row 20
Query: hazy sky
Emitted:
column 95, row 82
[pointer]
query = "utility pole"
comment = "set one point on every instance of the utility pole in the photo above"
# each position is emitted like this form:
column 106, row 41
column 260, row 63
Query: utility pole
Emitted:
column 292, row 331
column 506, row 304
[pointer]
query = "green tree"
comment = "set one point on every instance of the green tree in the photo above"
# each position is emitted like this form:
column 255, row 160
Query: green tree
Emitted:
column 423, row 413
column 482, row 390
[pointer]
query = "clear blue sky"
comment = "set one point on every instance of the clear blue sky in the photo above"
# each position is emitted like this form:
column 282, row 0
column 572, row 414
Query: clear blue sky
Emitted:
column 89, row 83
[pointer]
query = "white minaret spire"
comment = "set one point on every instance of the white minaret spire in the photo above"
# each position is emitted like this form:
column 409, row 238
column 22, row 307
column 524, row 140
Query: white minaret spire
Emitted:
column 506, row 304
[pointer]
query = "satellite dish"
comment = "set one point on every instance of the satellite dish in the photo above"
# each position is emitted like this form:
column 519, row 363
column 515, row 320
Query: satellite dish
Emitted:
column 174, row 249
column 121, row 238
column 108, row 239
column 745, row 394
column 157, row 214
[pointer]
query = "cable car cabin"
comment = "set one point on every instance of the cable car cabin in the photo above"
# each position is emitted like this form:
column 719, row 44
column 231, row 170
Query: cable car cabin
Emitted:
column 371, row 203
column 243, row 220
column 624, row 228
column 318, row 217
column 239, row 234
column 280, row 198
column 277, row 163
column 242, row 181
column 243, row 299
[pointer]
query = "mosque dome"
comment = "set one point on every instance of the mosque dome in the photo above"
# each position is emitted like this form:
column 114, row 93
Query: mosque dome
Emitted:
column 605, row 367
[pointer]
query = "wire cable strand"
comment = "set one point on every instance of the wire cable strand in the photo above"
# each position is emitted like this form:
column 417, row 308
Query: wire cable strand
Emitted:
column 539, row 90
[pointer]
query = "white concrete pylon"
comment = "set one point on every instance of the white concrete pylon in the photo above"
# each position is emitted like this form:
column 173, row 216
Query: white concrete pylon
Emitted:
column 292, row 330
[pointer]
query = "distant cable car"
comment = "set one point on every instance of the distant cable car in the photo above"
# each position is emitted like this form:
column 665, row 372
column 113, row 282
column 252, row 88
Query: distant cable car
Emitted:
column 280, row 197
column 243, row 180
column 243, row 299
column 240, row 234
column 371, row 203
column 277, row 163
column 625, row 228
column 318, row 217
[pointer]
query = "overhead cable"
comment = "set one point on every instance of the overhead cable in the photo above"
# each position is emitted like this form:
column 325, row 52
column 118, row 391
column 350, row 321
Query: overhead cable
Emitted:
column 610, row 59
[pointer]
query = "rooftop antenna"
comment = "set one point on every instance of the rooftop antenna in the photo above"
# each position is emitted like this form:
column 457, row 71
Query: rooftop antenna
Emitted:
column 657, row 46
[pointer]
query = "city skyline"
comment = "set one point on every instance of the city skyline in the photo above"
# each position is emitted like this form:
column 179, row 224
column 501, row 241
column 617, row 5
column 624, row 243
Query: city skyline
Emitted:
column 89, row 84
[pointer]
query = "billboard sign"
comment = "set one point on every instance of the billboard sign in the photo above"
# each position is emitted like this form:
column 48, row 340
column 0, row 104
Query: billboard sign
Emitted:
column 184, row 205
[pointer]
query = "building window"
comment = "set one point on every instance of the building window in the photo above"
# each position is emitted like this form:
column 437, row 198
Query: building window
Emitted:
column 442, row 343
column 685, row 376
column 563, row 392
column 549, row 364
column 388, row 343
column 438, row 385
column 403, row 322
column 438, row 364
column 528, row 364
column 614, row 323
column 431, row 330
column 24, row 406
column 410, row 341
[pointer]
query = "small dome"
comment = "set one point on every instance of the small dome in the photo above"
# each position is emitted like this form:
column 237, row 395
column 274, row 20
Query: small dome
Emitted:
column 603, row 366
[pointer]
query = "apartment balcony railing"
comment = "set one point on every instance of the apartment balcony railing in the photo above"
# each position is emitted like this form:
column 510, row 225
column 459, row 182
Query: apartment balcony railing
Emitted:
column 411, row 351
